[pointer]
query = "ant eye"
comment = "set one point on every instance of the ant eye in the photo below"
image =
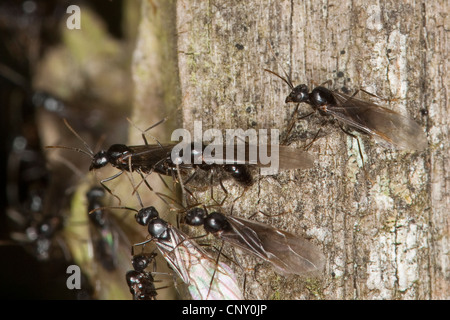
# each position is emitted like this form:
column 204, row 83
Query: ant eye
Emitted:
column 302, row 92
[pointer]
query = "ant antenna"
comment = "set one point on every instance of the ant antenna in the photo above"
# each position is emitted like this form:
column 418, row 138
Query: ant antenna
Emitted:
column 88, row 150
column 287, row 78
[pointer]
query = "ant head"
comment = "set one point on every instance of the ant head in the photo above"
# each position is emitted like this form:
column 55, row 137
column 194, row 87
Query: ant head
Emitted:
column 299, row 94
column 195, row 217
column 114, row 155
column 145, row 215
column 216, row 222
column 140, row 262
column 95, row 193
column 158, row 228
column 99, row 160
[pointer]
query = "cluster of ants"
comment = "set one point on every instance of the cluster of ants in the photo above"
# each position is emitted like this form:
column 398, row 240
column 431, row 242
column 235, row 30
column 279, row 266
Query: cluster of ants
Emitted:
column 205, row 276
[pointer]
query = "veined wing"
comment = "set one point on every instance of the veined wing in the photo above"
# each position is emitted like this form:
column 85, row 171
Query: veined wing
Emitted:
column 145, row 157
column 289, row 254
column 383, row 124
column 251, row 154
column 207, row 280
column 110, row 243
column 105, row 242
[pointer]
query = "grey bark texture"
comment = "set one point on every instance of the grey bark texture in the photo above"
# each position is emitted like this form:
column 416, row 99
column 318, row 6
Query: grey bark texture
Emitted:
column 384, row 228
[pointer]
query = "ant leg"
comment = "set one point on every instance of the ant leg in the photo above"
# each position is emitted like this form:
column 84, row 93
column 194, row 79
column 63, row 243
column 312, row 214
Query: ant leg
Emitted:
column 305, row 116
column 164, row 183
column 291, row 124
column 135, row 187
column 130, row 177
column 144, row 180
column 370, row 94
column 224, row 190
column 217, row 265
column 329, row 82
column 153, row 255
column 106, row 208
column 220, row 253
column 313, row 140
column 266, row 214
column 139, row 244
column 211, row 188
column 160, row 195
column 375, row 96
column 190, row 193
column 217, row 203
column 215, row 269
column 183, row 186
column 353, row 95
column 102, row 182
column 144, row 132
column 156, row 124
column 192, row 176
column 236, row 199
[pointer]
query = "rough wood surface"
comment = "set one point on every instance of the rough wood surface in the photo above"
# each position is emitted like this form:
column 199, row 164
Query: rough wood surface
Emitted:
column 384, row 231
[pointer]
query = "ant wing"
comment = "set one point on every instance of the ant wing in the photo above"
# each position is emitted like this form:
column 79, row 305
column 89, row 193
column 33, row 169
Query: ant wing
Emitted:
column 214, row 281
column 176, row 255
column 109, row 250
column 207, row 279
column 106, row 242
column 250, row 154
column 386, row 126
column 289, row 254
column 290, row 158
column 146, row 157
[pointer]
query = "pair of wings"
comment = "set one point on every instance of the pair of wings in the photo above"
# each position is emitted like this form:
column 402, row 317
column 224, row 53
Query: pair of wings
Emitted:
column 207, row 279
column 289, row 254
column 388, row 127
column 147, row 156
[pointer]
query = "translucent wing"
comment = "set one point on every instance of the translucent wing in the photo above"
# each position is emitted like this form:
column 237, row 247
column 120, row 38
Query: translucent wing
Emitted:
column 386, row 126
column 111, row 245
column 294, row 159
column 146, row 157
column 207, row 280
column 289, row 254
column 248, row 154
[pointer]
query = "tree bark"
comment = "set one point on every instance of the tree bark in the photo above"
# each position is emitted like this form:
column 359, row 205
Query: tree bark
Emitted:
column 384, row 227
